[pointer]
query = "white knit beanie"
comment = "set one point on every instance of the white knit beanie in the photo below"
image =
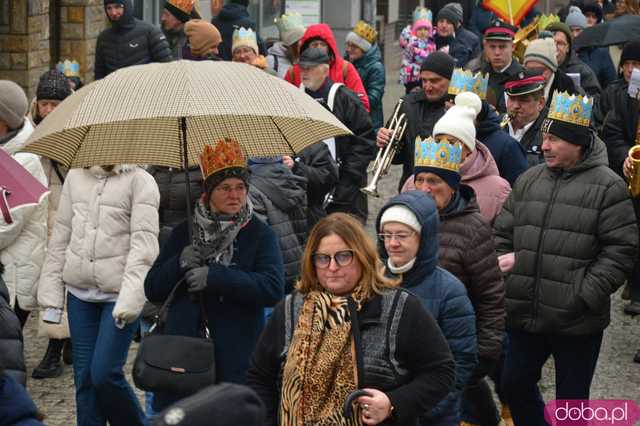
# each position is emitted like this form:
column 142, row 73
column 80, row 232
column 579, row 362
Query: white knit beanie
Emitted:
column 354, row 38
column 458, row 122
column 543, row 51
column 400, row 214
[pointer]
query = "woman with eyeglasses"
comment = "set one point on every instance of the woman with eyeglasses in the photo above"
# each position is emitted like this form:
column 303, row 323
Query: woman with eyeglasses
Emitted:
column 232, row 261
column 408, row 226
column 466, row 249
column 348, row 327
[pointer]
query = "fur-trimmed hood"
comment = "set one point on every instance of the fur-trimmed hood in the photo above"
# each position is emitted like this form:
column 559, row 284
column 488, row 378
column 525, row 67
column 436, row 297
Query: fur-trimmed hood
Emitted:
column 100, row 172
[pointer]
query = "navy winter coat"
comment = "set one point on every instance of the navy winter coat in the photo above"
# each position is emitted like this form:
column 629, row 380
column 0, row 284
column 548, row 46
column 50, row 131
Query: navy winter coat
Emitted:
column 233, row 16
column 444, row 296
column 372, row 74
column 599, row 60
column 235, row 297
column 509, row 155
column 465, row 46
column 11, row 346
column 16, row 406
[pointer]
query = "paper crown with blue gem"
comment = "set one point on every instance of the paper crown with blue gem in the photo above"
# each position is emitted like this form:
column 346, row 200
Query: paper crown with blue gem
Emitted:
column 422, row 13
column 244, row 37
column 571, row 109
column 69, row 68
column 291, row 27
column 466, row 81
column 439, row 154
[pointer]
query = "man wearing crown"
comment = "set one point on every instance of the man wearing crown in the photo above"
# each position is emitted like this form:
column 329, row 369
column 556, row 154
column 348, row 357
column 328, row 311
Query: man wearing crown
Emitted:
column 567, row 239
column 129, row 41
column 175, row 14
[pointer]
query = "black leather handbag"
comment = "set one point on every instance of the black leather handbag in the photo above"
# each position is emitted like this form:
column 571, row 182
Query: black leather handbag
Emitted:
column 179, row 365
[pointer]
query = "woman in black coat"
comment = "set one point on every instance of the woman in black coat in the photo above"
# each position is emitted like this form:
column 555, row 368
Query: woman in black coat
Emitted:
column 349, row 328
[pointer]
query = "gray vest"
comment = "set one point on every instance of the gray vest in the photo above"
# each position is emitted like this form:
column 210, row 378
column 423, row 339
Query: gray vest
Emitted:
column 379, row 339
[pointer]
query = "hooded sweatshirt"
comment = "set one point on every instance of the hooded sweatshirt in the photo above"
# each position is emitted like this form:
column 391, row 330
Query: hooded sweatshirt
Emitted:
column 444, row 296
column 129, row 41
column 340, row 71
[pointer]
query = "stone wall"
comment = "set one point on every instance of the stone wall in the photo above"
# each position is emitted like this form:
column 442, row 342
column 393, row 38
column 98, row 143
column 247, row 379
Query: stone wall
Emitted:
column 25, row 38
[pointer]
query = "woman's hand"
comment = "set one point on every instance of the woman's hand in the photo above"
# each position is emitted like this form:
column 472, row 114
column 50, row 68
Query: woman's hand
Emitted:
column 626, row 168
column 375, row 408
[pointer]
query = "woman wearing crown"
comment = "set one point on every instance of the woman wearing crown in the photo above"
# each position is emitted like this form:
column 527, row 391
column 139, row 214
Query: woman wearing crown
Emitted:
column 232, row 260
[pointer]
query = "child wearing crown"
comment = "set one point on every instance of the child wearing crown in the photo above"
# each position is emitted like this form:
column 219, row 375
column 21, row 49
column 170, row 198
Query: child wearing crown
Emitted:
column 418, row 44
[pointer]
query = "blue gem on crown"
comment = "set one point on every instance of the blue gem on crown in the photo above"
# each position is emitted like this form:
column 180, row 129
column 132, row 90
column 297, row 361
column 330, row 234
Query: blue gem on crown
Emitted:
column 440, row 154
column 466, row 81
column 422, row 13
column 571, row 108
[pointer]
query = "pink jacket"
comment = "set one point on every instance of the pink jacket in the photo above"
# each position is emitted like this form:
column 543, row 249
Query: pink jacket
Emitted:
column 480, row 172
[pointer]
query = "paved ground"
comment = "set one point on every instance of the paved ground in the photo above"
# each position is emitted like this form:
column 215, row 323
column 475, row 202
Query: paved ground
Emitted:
column 617, row 377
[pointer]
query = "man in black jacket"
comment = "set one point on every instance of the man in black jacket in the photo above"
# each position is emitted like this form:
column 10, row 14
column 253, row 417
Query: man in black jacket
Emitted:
column 526, row 109
column 234, row 15
column 423, row 109
column 497, row 60
column 567, row 238
column 129, row 41
column 352, row 153
column 463, row 44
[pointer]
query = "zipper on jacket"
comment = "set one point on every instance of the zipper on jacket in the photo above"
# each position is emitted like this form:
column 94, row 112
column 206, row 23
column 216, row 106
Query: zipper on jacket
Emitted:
column 536, row 281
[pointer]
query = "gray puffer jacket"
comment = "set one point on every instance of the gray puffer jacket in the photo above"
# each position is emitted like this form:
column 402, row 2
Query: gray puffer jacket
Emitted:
column 575, row 240
column 279, row 198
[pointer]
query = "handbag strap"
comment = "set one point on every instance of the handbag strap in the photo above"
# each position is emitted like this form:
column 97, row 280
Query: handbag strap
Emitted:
column 161, row 316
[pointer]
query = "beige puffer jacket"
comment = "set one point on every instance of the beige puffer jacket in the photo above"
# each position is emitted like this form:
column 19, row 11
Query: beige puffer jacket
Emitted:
column 105, row 236
column 22, row 243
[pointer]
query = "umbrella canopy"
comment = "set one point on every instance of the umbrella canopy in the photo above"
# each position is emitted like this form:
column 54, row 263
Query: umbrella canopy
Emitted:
column 618, row 31
column 18, row 187
column 139, row 115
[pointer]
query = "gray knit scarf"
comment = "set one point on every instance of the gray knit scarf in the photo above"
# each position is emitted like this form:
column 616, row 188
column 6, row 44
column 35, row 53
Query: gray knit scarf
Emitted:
column 214, row 233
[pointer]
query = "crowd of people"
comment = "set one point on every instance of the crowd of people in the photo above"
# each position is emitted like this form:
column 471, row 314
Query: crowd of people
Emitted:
column 512, row 228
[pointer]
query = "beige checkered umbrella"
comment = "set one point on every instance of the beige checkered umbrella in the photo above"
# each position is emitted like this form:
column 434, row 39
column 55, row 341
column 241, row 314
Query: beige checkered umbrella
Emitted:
column 138, row 115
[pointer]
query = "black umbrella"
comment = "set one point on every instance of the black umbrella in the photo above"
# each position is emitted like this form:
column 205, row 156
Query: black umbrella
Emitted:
column 618, row 31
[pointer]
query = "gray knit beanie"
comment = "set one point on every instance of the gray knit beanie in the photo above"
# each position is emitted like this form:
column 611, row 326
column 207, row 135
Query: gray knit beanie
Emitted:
column 576, row 18
column 452, row 12
column 13, row 104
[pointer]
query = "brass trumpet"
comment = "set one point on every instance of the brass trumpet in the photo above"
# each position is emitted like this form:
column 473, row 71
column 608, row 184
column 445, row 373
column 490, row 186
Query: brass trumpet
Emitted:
column 397, row 125
column 506, row 119
column 634, row 178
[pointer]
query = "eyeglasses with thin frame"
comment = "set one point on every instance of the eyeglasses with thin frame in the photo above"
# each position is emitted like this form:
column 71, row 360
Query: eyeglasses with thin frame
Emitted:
column 400, row 237
column 342, row 258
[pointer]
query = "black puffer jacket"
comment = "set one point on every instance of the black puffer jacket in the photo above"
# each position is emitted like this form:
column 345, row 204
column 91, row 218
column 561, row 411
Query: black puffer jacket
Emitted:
column 129, row 41
column 354, row 152
column 532, row 140
column 11, row 347
column 316, row 165
column 462, row 227
column 233, row 16
column 279, row 198
column 588, row 79
column 607, row 103
column 422, row 115
column 173, row 191
column 575, row 241
column 619, row 130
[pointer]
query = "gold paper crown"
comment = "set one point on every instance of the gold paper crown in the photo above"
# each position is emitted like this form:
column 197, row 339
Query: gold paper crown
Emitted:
column 244, row 37
column 441, row 154
column 366, row 31
column 184, row 5
column 571, row 108
column 226, row 154
column 69, row 68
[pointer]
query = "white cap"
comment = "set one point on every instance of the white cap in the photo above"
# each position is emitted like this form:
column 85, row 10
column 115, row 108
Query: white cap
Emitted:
column 400, row 214
column 458, row 122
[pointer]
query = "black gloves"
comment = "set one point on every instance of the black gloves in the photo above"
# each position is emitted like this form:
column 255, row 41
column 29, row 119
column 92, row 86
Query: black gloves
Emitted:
column 190, row 258
column 197, row 279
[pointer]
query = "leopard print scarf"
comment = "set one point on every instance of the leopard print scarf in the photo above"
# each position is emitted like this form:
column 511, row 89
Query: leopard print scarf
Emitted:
column 320, row 370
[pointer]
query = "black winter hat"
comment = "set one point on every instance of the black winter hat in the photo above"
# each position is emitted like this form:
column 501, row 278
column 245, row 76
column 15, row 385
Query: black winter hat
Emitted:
column 106, row 2
column 439, row 63
column 225, row 404
column 630, row 52
column 593, row 8
column 53, row 85
column 452, row 12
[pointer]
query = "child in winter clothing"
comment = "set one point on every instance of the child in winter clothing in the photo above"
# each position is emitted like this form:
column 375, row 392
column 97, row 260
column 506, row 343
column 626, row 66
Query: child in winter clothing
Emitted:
column 418, row 44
